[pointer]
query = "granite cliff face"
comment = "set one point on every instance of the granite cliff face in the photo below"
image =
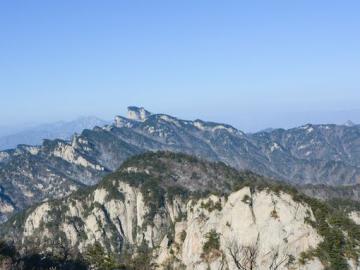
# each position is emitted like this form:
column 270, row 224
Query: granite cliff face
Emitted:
column 312, row 154
column 189, row 214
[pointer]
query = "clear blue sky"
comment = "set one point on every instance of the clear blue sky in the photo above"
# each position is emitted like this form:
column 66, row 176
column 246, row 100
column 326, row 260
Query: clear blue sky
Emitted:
column 253, row 64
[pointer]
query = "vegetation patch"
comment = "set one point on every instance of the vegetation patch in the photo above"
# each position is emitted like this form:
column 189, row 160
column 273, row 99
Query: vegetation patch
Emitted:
column 210, row 205
column 183, row 236
column 247, row 199
column 274, row 214
column 211, row 247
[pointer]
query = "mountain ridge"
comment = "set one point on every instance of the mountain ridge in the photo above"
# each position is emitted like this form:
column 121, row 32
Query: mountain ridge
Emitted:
column 310, row 154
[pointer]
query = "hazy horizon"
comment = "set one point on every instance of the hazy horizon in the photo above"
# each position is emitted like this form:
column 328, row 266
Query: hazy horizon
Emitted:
column 252, row 65
column 294, row 121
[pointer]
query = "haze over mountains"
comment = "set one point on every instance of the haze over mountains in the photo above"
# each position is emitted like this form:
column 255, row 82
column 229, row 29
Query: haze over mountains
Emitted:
column 58, row 130
column 310, row 154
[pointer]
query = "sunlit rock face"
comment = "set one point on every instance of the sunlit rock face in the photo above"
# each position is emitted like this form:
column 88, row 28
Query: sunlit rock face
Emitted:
column 137, row 113
column 113, row 222
column 190, row 213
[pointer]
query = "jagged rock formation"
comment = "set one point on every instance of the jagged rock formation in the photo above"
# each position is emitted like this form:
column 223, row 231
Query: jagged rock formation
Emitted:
column 138, row 114
column 316, row 154
column 190, row 214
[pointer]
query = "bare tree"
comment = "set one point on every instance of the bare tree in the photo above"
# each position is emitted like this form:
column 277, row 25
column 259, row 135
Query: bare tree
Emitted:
column 223, row 264
column 278, row 260
column 244, row 256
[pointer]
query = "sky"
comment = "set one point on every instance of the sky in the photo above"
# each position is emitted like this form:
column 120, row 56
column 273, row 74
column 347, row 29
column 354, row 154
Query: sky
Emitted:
column 252, row 64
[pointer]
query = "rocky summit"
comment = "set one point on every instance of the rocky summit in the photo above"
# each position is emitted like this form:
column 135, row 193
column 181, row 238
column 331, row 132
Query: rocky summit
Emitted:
column 311, row 154
column 172, row 211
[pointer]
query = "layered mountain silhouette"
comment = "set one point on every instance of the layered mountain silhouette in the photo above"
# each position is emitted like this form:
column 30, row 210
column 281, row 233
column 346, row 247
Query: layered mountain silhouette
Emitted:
column 58, row 130
column 310, row 154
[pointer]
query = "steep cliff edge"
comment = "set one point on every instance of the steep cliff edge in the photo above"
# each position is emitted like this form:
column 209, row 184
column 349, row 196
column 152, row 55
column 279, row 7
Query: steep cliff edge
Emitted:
column 189, row 214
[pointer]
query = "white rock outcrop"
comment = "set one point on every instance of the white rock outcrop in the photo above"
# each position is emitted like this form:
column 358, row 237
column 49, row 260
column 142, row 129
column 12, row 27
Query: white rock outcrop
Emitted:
column 68, row 153
column 272, row 223
column 138, row 114
column 355, row 216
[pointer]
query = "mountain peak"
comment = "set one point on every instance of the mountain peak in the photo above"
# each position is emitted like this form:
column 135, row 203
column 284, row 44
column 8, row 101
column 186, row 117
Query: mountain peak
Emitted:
column 137, row 113
column 349, row 123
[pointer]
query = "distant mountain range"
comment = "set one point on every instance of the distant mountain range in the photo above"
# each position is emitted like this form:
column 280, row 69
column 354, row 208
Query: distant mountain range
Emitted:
column 310, row 154
column 59, row 130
